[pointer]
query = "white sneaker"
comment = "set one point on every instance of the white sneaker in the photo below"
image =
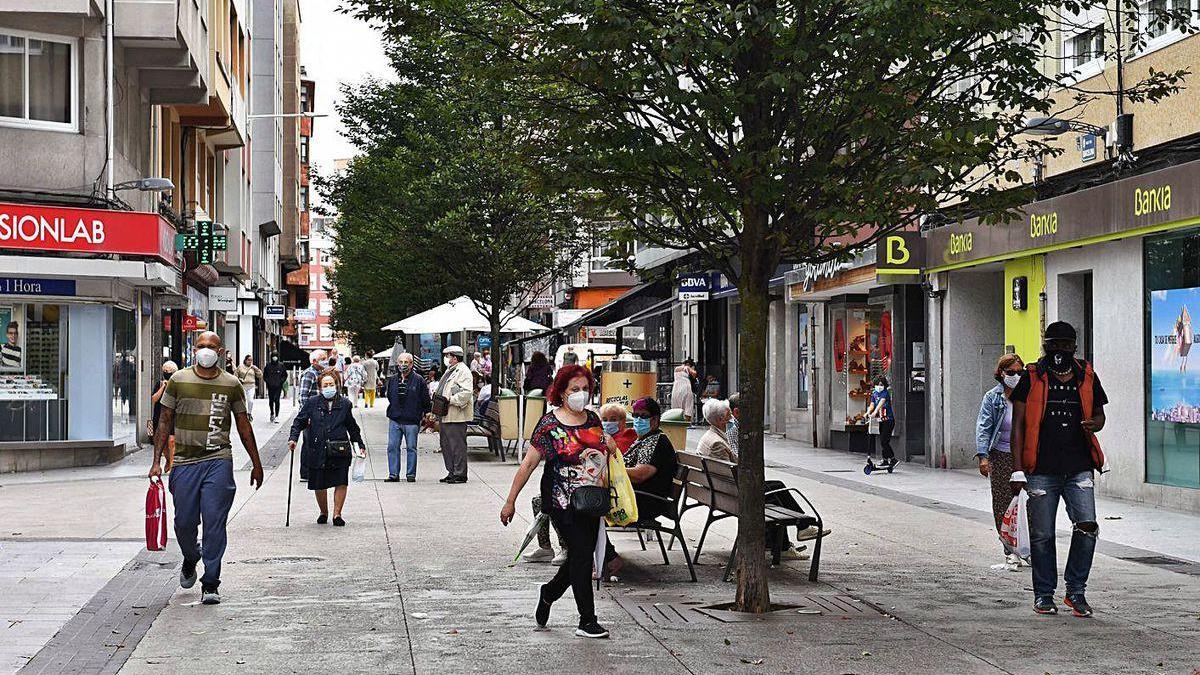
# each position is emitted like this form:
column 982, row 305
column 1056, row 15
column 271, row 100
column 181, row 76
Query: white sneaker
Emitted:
column 793, row 553
column 561, row 558
column 539, row 555
column 810, row 532
column 1012, row 561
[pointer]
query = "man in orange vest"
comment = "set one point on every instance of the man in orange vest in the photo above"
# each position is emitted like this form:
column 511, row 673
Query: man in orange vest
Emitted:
column 1058, row 407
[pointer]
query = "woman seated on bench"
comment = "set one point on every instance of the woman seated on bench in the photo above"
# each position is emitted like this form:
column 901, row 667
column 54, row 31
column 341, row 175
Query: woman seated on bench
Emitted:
column 650, row 461
column 714, row 444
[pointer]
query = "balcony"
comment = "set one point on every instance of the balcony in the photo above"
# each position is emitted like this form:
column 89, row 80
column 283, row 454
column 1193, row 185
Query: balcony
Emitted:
column 168, row 44
column 59, row 7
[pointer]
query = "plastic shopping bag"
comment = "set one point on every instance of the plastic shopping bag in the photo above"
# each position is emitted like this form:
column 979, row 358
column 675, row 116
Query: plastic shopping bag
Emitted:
column 624, row 504
column 358, row 471
column 156, row 516
column 1014, row 527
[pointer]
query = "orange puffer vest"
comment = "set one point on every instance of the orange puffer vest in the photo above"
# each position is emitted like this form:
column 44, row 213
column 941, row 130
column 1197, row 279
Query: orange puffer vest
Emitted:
column 1035, row 409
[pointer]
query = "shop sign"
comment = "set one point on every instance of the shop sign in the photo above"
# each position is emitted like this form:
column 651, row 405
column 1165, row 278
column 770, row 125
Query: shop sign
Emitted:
column 28, row 286
column 695, row 286
column 1151, row 200
column 542, row 302
column 595, row 332
column 276, row 312
column 484, row 341
column 305, row 314
column 58, row 229
column 900, row 253
column 222, row 299
column 190, row 323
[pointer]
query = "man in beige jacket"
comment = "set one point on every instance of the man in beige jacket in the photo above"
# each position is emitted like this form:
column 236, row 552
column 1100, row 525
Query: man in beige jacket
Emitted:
column 457, row 386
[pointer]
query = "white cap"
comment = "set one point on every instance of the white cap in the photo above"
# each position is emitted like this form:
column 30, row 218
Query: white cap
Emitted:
column 453, row 349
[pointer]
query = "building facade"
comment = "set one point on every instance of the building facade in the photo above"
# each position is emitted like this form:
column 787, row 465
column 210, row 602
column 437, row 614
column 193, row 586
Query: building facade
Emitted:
column 1113, row 253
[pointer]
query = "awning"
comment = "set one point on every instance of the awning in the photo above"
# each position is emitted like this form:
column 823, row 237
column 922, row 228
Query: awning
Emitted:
column 653, row 310
column 460, row 314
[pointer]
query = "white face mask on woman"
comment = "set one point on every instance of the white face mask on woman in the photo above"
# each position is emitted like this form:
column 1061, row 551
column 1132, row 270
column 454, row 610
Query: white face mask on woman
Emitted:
column 1011, row 381
column 578, row 400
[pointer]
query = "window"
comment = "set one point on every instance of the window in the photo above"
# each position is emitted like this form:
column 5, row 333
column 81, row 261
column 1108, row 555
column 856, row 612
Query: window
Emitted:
column 304, row 149
column 326, row 307
column 304, row 198
column 602, row 262
column 1172, row 278
column 326, row 332
column 1158, row 30
column 802, row 351
column 37, row 81
column 1085, row 47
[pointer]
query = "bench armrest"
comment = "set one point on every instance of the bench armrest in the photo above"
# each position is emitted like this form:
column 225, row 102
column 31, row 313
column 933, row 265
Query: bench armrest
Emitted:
column 806, row 501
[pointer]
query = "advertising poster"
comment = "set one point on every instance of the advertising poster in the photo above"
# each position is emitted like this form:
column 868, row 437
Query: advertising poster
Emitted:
column 12, row 347
column 1174, row 380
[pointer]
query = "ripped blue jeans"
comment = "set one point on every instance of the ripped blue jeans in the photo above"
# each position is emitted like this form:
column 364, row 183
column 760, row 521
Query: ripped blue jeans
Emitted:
column 1078, row 493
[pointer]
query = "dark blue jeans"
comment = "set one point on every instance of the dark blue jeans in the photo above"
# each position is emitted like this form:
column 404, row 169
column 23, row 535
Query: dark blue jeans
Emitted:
column 1078, row 493
column 203, row 494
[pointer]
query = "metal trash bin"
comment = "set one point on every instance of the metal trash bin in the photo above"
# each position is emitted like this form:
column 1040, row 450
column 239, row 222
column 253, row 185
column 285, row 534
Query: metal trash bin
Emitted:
column 510, row 418
column 535, row 407
column 675, row 426
column 626, row 379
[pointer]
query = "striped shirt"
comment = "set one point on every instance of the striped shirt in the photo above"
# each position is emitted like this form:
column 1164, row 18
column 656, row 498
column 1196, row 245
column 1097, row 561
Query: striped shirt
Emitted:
column 308, row 384
column 204, row 411
column 10, row 356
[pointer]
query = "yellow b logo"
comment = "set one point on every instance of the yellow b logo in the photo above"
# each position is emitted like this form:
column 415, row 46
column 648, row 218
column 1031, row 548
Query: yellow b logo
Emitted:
column 897, row 252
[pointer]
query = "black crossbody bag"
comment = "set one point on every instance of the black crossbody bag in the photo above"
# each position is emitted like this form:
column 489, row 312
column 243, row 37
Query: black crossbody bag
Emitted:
column 591, row 500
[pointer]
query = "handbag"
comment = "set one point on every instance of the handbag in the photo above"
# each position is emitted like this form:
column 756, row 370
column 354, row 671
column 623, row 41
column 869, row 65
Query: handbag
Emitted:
column 338, row 450
column 441, row 405
column 591, row 500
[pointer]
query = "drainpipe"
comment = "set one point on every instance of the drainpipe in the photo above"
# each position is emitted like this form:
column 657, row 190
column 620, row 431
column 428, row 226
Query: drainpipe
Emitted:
column 110, row 102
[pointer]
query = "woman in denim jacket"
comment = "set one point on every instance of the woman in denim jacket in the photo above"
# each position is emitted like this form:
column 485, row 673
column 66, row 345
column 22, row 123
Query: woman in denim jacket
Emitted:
column 992, row 431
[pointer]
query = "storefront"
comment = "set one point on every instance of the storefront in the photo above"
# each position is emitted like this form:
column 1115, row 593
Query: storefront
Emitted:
column 850, row 325
column 77, row 331
column 1120, row 262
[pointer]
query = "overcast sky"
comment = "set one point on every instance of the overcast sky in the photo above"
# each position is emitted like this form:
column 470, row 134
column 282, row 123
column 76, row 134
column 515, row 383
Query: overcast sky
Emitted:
column 335, row 48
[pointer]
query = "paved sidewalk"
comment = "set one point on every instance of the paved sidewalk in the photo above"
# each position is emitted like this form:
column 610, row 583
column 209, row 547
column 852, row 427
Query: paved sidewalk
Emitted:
column 1140, row 526
column 420, row 581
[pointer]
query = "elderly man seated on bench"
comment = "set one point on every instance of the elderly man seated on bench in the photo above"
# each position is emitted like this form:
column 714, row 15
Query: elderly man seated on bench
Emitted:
column 715, row 444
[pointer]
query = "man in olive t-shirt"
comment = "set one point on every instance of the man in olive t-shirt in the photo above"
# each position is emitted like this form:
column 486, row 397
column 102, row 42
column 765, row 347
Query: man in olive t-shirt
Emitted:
column 199, row 405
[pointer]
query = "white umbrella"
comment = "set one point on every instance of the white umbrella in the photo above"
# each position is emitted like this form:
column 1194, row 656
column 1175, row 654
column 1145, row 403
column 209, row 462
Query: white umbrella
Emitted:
column 385, row 354
column 456, row 316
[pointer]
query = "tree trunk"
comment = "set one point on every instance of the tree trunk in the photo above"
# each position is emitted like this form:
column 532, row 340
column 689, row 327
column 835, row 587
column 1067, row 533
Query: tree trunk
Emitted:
column 753, row 594
column 497, row 357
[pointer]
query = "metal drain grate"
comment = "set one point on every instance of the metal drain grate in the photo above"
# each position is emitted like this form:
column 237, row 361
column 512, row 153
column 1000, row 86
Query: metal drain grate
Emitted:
column 802, row 607
column 677, row 614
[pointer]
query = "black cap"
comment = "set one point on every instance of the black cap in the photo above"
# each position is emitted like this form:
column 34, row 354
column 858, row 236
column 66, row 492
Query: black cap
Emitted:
column 1060, row 330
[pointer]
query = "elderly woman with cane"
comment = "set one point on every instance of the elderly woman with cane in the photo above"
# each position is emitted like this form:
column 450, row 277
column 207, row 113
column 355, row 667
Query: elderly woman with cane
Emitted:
column 329, row 428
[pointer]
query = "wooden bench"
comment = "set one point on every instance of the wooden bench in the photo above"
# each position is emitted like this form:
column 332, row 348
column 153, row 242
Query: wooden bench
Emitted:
column 671, row 506
column 488, row 426
column 714, row 483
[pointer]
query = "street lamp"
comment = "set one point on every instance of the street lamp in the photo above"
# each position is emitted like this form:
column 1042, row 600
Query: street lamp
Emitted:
column 1054, row 126
column 152, row 184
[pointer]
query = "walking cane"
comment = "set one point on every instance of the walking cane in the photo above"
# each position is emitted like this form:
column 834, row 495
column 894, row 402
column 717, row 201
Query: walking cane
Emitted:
column 287, row 522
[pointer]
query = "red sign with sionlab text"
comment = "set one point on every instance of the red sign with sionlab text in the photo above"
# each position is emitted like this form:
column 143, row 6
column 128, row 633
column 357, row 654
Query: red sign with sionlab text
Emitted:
column 54, row 228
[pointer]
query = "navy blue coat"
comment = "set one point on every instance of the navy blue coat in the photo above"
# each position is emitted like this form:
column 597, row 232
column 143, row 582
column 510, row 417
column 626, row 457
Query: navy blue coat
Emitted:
column 322, row 423
column 416, row 400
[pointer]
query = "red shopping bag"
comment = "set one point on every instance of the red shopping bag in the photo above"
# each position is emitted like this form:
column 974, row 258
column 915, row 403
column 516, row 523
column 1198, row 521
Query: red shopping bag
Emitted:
column 156, row 516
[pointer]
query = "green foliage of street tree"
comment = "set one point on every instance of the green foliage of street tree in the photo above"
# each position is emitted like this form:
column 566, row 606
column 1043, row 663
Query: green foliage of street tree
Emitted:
column 765, row 132
column 443, row 201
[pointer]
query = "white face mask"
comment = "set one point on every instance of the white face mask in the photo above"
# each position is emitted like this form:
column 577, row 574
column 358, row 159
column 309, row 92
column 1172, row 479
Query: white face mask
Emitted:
column 446, row 360
column 1011, row 381
column 578, row 400
column 206, row 357
column 879, row 388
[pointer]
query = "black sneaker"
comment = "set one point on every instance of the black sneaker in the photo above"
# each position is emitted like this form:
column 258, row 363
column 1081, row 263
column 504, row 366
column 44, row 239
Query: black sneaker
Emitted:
column 337, row 520
column 209, row 595
column 542, row 615
column 187, row 574
column 322, row 519
column 448, row 479
column 411, row 479
column 457, row 480
column 1078, row 604
column 591, row 630
column 1045, row 605
column 392, row 479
